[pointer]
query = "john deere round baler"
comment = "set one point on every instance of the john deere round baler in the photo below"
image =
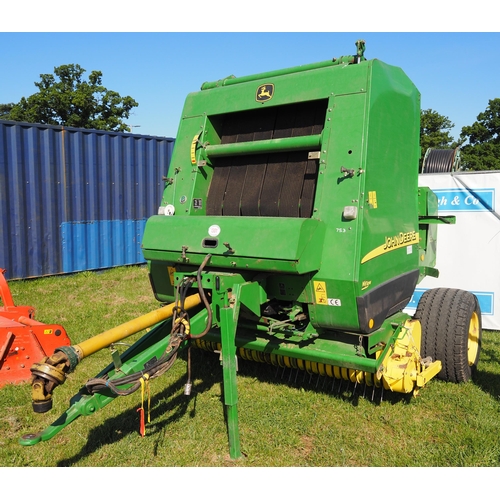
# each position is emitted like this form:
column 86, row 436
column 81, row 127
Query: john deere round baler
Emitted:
column 292, row 231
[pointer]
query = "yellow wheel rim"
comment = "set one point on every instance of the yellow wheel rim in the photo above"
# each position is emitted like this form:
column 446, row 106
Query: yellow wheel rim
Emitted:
column 473, row 339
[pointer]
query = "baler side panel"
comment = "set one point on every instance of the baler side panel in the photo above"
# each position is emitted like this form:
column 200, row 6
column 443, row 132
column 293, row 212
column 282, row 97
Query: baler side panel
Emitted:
column 186, row 183
column 344, row 151
column 390, row 236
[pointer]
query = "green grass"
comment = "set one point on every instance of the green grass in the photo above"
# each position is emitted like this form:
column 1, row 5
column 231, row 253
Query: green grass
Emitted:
column 284, row 420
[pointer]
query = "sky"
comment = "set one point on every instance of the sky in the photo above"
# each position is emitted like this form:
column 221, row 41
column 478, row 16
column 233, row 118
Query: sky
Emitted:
column 457, row 72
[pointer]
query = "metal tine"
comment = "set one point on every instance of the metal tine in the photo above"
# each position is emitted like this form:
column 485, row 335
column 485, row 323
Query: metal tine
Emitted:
column 373, row 392
column 333, row 384
column 382, row 394
column 283, row 372
column 364, row 391
column 317, row 381
column 340, row 386
column 324, row 382
column 296, row 375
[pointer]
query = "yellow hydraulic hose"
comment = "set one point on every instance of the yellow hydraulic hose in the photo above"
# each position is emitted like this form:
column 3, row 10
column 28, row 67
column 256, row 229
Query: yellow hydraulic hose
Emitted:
column 105, row 339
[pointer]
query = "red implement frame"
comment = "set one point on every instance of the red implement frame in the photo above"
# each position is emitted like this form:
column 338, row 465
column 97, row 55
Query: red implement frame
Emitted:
column 23, row 341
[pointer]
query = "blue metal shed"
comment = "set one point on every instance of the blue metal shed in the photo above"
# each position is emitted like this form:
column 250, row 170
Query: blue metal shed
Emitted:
column 75, row 199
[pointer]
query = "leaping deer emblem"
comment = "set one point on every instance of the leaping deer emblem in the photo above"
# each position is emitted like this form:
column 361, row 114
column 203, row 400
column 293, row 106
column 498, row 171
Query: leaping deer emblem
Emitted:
column 265, row 92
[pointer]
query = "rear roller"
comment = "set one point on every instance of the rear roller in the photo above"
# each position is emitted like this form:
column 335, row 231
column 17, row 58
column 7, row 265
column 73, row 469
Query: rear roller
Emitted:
column 451, row 331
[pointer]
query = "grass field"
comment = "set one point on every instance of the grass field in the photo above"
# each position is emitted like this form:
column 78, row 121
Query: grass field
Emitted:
column 286, row 419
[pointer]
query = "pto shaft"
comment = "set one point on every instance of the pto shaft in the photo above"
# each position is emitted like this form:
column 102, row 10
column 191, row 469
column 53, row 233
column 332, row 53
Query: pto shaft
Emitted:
column 51, row 372
column 105, row 339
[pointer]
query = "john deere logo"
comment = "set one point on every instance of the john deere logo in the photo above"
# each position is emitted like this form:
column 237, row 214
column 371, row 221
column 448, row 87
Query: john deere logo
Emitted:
column 265, row 92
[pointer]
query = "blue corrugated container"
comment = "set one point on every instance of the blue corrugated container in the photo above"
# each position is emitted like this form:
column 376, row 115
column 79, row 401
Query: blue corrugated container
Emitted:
column 75, row 199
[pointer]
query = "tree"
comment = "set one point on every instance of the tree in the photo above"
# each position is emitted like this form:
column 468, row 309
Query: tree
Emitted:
column 434, row 132
column 5, row 109
column 65, row 98
column 482, row 151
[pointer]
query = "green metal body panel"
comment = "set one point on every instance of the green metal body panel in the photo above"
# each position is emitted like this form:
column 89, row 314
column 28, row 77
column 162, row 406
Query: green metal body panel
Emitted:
column 363, row 229
column 428, row 220
column 285, row 245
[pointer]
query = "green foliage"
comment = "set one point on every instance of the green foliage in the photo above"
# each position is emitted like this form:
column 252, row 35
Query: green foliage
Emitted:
column 5, row 109
column 434, row 131
column 66, row 98
column 482, row 151
column 286, row 418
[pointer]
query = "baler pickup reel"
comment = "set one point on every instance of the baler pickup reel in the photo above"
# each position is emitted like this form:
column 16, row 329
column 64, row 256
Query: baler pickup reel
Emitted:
column 293, row 230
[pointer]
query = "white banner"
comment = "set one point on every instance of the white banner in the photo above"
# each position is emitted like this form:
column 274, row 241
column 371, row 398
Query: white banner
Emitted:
column 468, row 252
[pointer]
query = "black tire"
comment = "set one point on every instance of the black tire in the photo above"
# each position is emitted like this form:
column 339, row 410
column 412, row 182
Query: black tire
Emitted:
column 451, row 331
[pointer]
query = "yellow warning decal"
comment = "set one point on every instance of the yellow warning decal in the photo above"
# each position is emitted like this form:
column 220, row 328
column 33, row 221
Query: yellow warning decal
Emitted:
column 48, row 331
column 372, row 198
column 171, row 271
column 320, row 292
column 393, row 243
column 193, row 149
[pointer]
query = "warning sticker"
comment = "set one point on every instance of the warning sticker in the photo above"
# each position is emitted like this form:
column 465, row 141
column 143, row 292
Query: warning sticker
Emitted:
column 320, row 292
column 193, row 148
column 171, row 271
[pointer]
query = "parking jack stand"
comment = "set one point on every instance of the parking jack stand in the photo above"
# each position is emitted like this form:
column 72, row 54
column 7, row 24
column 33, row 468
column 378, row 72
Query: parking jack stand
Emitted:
column 229, row 319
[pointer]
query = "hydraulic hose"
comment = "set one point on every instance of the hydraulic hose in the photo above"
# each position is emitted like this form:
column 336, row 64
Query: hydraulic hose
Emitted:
column 203, row 299
column 52, row 371
column 180, row 331
column 153, row 371
column 440, row 161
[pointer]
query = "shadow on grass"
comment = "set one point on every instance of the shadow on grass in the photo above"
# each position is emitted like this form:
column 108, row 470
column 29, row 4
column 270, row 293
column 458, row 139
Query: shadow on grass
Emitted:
column 161, row 404
column 175, row 404
column 488, row 381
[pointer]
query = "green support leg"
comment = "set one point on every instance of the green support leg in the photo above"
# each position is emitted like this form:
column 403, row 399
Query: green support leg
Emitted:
column 229, row 317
